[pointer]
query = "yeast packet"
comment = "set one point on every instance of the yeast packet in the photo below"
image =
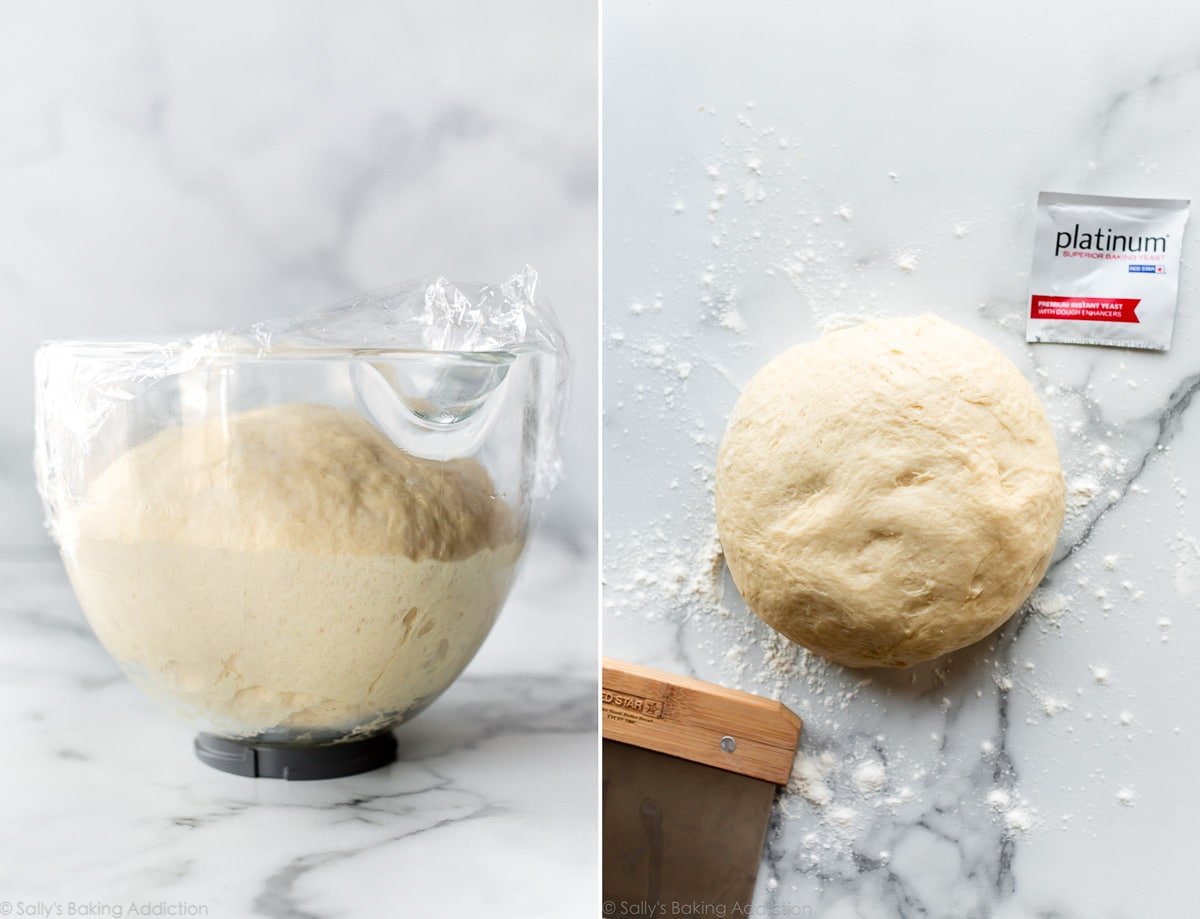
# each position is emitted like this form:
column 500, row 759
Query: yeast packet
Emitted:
column 1105, row 270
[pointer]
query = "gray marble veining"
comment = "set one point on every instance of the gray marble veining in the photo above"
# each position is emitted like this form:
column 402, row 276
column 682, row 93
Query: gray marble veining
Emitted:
column 165, row 172
column 106, row 804
column 163, row 176
column 782, row 172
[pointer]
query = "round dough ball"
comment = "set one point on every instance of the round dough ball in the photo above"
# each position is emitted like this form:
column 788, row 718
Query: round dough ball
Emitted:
column 888, row 493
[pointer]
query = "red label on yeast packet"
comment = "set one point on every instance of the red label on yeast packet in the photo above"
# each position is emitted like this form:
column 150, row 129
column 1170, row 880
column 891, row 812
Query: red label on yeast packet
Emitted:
column 1084, row 309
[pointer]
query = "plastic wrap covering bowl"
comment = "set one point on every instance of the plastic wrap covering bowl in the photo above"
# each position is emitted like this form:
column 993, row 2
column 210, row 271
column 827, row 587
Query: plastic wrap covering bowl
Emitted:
column 298, row 534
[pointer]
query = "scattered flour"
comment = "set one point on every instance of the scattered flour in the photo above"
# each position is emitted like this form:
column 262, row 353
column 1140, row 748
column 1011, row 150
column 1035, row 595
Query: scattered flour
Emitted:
column 1052, row 706
column 1081, row 491
column 1049, row 603
column 870, row 778
column 809, row 776
column 1019, row 820
column 671, row 571
column 906, row 261
column 834, row 321
column 844, row 819
column 730, row 318
column 1013, row 815
column 1187, row 564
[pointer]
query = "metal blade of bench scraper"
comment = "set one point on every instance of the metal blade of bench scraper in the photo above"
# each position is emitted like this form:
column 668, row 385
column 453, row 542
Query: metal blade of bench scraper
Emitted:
column 678, row 832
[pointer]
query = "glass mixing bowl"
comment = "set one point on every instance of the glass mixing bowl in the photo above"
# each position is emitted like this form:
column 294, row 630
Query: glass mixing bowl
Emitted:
column 296, row 549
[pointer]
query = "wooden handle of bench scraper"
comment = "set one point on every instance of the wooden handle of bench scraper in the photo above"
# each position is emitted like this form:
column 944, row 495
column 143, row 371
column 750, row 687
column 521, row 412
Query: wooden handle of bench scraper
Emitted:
column 698, row 721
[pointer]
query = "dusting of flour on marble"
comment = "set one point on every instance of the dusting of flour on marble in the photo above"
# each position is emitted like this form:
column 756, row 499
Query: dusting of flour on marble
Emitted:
column 883, row 753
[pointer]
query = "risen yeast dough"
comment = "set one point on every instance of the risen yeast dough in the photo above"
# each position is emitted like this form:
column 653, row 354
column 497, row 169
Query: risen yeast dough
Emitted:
column 889, row 492
column 289, row 572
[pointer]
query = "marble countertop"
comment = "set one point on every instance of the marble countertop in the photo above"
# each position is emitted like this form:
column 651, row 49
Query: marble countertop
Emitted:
column 490, row 810
column 769, row 175
column 163, row 174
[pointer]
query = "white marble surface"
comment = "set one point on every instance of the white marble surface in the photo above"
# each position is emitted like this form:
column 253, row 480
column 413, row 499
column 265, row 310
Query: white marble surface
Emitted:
column 166, row 170
column 770, row 172
column 165, row 173
column 490, row 810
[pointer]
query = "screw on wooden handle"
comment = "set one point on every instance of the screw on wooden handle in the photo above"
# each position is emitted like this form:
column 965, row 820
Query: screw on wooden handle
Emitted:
column 684, row 717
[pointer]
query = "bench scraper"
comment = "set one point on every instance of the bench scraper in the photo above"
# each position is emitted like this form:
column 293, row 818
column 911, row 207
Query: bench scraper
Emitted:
column 689, row 776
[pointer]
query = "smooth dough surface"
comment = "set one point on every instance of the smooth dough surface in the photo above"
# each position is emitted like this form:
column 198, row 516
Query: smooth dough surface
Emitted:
column 888, row 493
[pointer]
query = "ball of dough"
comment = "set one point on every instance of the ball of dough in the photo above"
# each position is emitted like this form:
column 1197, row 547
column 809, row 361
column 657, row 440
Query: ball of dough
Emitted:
column 888, row 493
column 289, row 573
